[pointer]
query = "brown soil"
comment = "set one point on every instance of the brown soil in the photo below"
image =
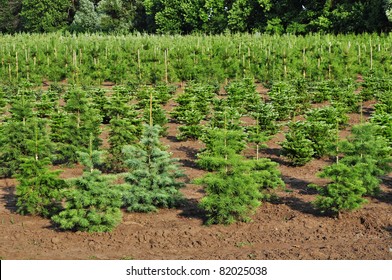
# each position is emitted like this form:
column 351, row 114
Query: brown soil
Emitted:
column 288, row 228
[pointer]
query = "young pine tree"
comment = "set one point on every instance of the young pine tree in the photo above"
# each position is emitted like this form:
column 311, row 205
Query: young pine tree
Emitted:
column 39, row 189
column 125, row 129
column 92, row 203
column 370, row 153
column 344, row 193
column 153, row 175
column 234, row 190
column 297, row 147
column 193, row 106
column 18, row 131
column 221, row 146
column 232, row 194
column 74, row 127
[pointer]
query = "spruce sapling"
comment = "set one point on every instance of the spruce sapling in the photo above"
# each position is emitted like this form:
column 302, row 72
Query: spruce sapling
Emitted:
column 153, row 175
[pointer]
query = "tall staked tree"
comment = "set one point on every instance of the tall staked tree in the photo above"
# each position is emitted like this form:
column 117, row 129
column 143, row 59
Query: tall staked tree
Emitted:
column 125, row 129
column 74, row 127
column 39, row 188
column 20, row 133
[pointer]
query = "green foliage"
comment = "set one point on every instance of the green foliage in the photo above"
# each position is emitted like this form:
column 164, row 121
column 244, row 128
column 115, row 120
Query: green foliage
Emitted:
column 73, row 128
column 322, row 136
column 345, row 191
column 47, row 103
column 122, row 132
column 306, row 140
column 384, row 121
column 373, row 87
column 370, row 153
column 100, row 101
column 9, row 15
column 242, row 95
column 153, row 175
column 230, row 196
column 289, row 99
column 44, row 16
column 266, row 175
column 384, row 102
column 297, row 147
column 233, row 191
column 328, row 114
column 221, row 145
column 22, row 135
column 150, row 102
column 193, row 107
column 322, row 90
column 346, row 98
column 86, row 18
column 91, row 204
column 39, row 189
column 266, row 117
column 388, row 9
column 94, row 58
column 225, row 116
column 208, row 16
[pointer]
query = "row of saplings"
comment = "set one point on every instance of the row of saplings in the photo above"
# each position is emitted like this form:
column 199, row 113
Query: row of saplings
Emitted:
column 235, row 186
column 93, row 202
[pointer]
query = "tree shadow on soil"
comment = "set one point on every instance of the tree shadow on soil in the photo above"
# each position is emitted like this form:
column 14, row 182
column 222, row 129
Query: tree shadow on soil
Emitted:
column 173, row 139
column 9, row 199
column 191, row 210
column 386, row 196
column 275, row 155
column 296, row 203
column 299, row 184
column 189, row 151
column 191, row 157
column 300, row 205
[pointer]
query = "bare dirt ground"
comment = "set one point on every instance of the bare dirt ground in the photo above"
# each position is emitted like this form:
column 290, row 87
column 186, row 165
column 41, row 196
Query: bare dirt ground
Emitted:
column 288, row 228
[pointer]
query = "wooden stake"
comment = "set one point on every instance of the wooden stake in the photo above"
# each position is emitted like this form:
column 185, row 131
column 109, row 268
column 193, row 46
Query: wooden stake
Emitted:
column 151, row 123
column 371, row 55
column 16, row 65
column 304, row 62
column 138, row 64
column 166, row 74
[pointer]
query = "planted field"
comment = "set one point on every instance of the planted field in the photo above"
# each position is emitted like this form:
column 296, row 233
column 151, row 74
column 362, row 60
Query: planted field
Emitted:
column 273, row 163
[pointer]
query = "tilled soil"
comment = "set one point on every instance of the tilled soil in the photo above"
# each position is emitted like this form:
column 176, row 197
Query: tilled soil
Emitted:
column 287, row 228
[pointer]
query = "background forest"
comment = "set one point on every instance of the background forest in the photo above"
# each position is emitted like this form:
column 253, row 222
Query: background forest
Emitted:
column 196, row 16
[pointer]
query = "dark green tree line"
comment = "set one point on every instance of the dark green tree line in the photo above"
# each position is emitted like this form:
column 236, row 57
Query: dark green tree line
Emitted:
column 206, row 16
